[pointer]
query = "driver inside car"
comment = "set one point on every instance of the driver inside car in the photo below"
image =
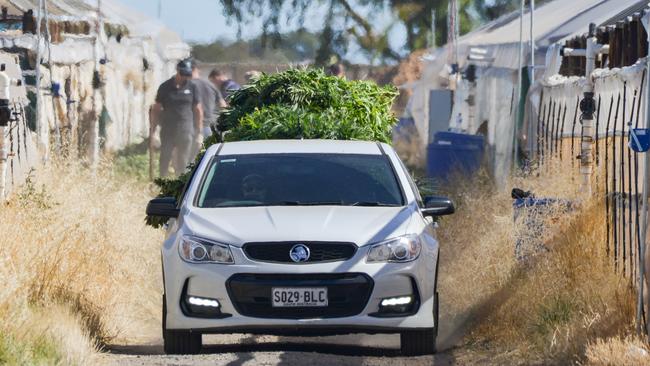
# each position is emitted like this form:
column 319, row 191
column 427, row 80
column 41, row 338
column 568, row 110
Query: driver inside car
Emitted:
column 253, row 188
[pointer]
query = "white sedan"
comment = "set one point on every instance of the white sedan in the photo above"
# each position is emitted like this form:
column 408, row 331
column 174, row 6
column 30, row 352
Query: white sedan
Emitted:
column 300, row 237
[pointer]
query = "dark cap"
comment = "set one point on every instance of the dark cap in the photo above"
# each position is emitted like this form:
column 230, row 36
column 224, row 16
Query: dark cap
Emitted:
column 184, row 67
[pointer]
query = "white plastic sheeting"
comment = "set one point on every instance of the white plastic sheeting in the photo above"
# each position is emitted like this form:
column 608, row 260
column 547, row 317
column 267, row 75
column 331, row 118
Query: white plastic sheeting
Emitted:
column 495, row 106
column 127, row 92
column 18, row 139
column 555, row 22
column 559, row 91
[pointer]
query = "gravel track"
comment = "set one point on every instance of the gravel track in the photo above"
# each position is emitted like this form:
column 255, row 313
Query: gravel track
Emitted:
column 234, row 350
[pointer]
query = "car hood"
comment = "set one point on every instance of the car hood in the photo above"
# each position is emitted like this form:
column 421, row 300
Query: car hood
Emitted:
column 239, row 225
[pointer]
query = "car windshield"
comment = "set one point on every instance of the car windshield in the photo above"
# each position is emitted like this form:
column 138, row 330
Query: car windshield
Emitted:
column 299, row 179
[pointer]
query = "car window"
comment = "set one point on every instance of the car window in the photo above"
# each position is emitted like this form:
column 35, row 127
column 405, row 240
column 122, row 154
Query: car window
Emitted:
column 299, row 179
column 414, row 187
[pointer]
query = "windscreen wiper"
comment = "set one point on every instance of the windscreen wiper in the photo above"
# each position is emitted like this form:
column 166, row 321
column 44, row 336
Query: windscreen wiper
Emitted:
column 299, row 203
column 372, row 204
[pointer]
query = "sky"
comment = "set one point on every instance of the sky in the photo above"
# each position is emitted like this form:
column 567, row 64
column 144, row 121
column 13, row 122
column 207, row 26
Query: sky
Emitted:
column 195, row 20
column 203, row 21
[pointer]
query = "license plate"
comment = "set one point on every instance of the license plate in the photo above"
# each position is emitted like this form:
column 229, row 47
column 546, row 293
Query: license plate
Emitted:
column 299, row 296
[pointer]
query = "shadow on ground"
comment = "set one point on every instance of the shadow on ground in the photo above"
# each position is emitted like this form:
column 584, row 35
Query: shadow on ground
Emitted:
column 293, row 352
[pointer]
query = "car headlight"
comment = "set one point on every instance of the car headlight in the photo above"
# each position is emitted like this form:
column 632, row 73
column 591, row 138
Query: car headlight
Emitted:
column 197, row 250
column 402, row 249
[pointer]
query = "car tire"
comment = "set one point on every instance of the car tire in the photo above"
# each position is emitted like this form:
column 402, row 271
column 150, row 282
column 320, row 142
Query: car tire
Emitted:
column 421, row 342
column 178, row 342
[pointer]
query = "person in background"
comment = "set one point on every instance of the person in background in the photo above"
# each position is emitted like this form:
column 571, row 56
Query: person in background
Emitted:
column 336, row 69
column 225, row 85
column 179, row 114
column 211, row 102
column 29, row 23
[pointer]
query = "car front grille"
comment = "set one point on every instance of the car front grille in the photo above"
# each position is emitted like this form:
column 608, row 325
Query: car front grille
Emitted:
column 319, row 251
column 348, row 294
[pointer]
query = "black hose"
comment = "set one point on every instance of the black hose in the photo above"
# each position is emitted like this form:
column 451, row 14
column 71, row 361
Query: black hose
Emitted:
column 562, row 131
column 597, row 125
column 546, row 124
column 622, row 180
column 557, row 130
column 551, row 135
column 11, row 152
column 573, row 131
column 636, row 177
column 607, row 198
column 629, row 190
column 615, row 196
column 540, row 118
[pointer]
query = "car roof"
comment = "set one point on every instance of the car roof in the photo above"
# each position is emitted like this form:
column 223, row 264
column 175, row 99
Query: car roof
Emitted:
column 298, row 146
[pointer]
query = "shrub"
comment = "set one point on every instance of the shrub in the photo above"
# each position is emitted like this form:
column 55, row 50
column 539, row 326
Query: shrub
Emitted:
column 296, row 104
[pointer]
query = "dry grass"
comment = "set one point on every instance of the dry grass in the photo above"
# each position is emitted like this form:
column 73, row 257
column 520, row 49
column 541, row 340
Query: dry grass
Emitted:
column 545, row 310
column 78, row 266
column 618, row 351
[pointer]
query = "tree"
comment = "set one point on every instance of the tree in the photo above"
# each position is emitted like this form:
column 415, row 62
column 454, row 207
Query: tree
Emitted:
column 294, row 46
column 356, row 26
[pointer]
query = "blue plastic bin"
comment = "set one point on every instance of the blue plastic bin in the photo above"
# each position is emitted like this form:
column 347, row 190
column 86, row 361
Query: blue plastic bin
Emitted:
column 454, row 153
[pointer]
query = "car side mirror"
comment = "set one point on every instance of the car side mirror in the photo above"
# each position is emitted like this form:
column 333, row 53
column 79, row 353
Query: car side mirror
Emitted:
column 437, row 206
column 163, row 207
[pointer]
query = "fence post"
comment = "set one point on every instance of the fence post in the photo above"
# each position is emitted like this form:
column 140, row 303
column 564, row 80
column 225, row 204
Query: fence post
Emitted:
column 644, row 206
column 588, row 107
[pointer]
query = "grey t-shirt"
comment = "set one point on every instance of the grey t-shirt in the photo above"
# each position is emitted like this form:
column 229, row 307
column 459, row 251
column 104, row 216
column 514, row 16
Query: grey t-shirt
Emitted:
column 209, row 96
column 178, row 103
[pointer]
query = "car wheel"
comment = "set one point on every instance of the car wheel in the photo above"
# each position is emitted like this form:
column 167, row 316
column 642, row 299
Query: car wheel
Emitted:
column 178, row 342
column 421, row 342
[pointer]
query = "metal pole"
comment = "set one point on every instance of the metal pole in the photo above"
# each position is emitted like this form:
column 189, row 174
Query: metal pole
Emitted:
column 457, row 61
column 517, row 98
column 432, row 45
column 644, row 212
column 48, row 41
column 588, row 107
column 3, row 162
column 41, row 139
column 94, row 134
column 532, row 41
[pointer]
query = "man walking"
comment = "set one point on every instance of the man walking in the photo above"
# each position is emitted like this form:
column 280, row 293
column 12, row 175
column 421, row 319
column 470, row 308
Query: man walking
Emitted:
column 179, row 114
column 211, row 102
column 226, row 85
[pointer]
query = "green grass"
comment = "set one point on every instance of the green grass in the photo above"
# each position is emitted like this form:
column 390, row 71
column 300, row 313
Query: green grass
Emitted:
column 6, row 356
column 45, row 352
column 40, row 351
column 556, row 312
column 133, row 162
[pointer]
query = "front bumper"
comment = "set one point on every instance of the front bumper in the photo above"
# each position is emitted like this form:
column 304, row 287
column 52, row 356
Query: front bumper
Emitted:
column 214, row 281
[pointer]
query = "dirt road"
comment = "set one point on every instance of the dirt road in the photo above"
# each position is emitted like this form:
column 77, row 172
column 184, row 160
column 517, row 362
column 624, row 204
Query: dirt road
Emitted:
column 234, row 350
